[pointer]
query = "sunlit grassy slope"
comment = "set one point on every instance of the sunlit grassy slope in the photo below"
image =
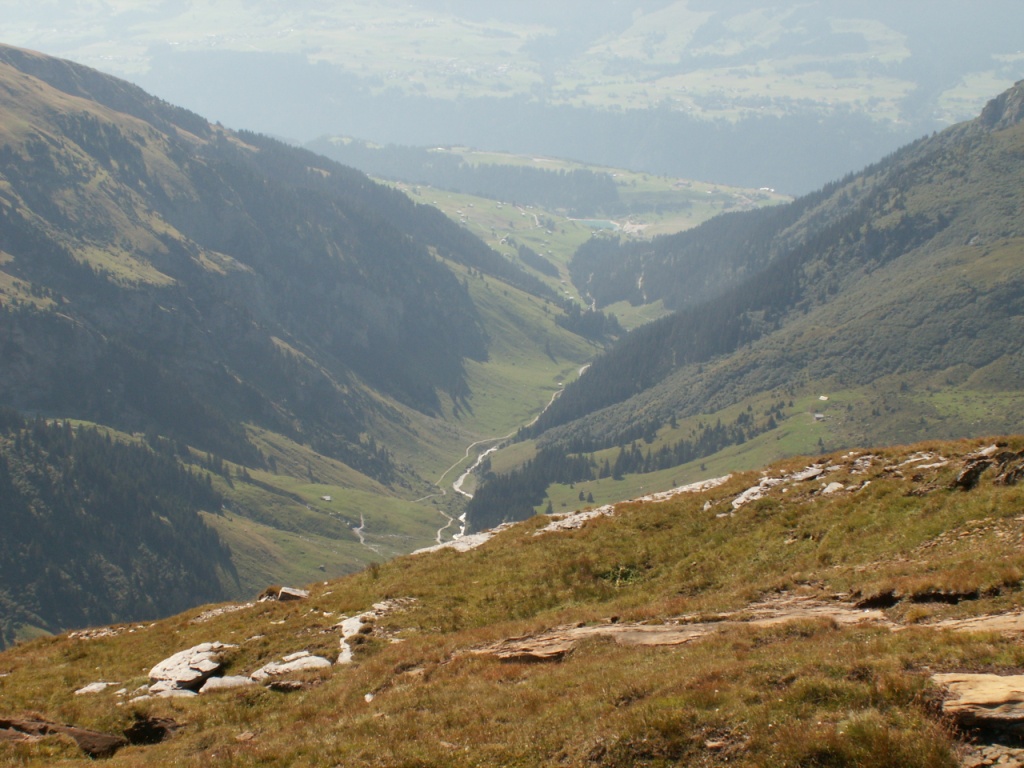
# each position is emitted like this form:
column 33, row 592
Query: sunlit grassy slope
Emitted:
column 892, row 531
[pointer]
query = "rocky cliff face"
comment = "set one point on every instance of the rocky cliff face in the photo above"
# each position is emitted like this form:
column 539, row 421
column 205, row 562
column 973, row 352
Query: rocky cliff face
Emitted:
column 1006, row 110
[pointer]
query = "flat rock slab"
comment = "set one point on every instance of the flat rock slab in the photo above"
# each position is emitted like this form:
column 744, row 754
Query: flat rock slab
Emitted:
column 296, row 662
column 189, row 669
column 1006, row 623
column 230, row 683
column 168, row 689
column 94, row 688
column 558, row 642
column 983, row 699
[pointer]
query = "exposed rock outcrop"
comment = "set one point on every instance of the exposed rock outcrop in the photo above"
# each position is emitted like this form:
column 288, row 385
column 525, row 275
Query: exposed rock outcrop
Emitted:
column 228, row 683
column 983, row 700
column 282, row 594
column 364, row 624
column 556, row 643
column 93, row 688
column 185, row 672
column 969, row 477
column 1006, row 110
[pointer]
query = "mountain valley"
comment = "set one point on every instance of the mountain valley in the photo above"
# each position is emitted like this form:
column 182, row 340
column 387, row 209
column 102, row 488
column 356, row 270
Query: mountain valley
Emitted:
column 884, row 308
column 500, row 459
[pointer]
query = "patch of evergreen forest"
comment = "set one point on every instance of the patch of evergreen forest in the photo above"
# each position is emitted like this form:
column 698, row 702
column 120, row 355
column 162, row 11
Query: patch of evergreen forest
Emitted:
column 99, row 531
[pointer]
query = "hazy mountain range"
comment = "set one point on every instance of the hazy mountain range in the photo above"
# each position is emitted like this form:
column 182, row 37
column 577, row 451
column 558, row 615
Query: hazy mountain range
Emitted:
column 755, row 93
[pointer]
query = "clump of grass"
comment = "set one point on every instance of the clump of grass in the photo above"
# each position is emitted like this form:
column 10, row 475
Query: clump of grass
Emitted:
column 865, row 740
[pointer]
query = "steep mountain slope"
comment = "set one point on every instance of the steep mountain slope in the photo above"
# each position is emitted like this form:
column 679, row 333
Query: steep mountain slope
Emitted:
column 925, row 245
column 810, row 614
column 289, row 326
column 192, row 278
column 908, row 276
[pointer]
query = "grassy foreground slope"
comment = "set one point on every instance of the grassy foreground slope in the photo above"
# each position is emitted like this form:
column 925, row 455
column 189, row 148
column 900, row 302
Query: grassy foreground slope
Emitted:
column 792, row 617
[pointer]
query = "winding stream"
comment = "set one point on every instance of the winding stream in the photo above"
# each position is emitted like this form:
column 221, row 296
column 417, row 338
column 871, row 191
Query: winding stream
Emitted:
column 457, row 485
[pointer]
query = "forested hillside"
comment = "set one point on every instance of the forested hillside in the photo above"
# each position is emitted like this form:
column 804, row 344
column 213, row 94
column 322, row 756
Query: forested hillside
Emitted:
column 97, row 531
column 961, row 188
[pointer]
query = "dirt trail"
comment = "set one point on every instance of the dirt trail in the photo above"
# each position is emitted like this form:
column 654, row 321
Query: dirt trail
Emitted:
column 360, row 533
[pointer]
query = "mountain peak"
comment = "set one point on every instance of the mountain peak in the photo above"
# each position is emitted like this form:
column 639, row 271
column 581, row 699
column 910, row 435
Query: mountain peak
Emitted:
column 1005, row 110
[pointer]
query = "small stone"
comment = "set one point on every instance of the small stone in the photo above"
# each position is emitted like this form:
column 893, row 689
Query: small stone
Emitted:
column 167, row 689
column 93, row 688
column 247, row 736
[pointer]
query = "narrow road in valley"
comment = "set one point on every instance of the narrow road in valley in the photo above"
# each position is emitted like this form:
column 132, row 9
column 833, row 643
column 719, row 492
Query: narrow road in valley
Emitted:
column 360, row 534
column 457, row 485
column 536, row 218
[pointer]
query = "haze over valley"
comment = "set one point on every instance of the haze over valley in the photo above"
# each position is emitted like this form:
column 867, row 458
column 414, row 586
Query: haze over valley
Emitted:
column 749, row 93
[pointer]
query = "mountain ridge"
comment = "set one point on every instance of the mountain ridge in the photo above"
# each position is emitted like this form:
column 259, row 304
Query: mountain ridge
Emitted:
column 904, row 230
